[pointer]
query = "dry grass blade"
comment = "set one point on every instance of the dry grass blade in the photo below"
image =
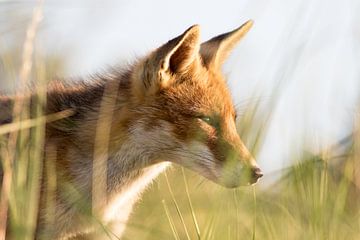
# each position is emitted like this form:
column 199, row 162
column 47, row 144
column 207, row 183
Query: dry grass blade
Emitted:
column 18, row 105
column 172, row 226
column 101, row 148
column 29, row 123
column 191, row 206
column 255, row 209
column 177, row 207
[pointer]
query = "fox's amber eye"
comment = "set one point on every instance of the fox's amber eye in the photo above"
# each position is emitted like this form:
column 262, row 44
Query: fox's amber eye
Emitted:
column 209, row 121
column 206, row 119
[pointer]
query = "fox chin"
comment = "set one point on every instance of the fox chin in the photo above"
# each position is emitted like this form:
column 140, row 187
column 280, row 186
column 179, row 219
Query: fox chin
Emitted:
column 128, row 125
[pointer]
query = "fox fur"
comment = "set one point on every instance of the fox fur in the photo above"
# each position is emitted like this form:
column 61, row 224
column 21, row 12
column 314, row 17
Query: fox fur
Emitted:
column 127, row 126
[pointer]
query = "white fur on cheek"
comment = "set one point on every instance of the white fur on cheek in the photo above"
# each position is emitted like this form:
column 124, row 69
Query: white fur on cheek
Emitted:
column 197, row 157
column 194, row 155
column 162, row 141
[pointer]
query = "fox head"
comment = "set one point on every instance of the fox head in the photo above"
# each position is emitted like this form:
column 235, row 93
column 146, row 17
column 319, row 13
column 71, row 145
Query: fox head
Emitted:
column 184, row 110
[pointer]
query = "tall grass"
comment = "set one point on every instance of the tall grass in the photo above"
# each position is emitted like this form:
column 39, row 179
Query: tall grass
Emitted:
column 21, row 150
column 316, row 198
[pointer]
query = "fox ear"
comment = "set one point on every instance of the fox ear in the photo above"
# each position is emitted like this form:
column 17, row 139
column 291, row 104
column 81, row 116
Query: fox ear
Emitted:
column 215, row 51
column 181, row 51
column 176, row 56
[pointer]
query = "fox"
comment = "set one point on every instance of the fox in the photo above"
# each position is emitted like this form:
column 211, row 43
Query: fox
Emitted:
column 129, row 124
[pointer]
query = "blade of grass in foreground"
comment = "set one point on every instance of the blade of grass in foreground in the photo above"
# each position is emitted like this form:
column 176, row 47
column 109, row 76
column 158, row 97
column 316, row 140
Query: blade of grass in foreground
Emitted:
column 177, row 207
column 254, row 224
column 172, row 226
column 30, row 123
column 36, row 150
column 237, row 213
column 190, row 205
column 9, row 190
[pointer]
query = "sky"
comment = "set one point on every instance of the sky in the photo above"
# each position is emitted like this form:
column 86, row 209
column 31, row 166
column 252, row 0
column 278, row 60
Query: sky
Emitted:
column 308, row 47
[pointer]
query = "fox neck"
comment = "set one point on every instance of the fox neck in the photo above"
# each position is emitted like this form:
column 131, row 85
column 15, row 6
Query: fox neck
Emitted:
column 127, row 164
column 129, row 171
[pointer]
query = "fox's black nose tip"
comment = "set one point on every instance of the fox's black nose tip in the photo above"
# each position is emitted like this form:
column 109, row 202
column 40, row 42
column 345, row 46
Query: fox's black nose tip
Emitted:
column 256, row 174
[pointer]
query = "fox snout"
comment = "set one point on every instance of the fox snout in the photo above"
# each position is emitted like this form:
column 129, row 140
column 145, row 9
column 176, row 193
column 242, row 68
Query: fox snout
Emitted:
column 256, row 174
column 236, row 167
column 252, row 175
column 239, row 175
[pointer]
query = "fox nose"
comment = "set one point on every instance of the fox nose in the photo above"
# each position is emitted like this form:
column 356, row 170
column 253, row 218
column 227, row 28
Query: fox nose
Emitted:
column 256, row 173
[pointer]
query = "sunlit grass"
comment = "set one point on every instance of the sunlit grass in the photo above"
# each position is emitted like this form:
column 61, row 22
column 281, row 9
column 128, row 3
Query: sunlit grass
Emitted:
column 313, row 200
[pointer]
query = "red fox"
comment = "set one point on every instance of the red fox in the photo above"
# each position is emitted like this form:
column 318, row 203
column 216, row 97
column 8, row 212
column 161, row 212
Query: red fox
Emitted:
column 172, row 106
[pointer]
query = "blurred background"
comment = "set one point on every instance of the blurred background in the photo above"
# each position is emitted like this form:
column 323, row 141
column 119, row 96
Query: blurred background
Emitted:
column 295, row 79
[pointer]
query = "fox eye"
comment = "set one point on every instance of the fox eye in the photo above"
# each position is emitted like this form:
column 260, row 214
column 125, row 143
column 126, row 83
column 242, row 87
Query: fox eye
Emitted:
column 209, row 120
column 206, row 119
